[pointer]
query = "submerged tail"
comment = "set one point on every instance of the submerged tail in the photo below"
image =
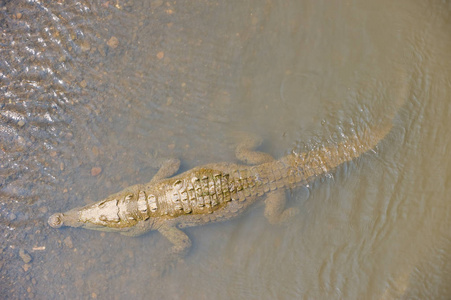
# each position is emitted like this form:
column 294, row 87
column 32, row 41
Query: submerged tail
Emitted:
column 326, row 158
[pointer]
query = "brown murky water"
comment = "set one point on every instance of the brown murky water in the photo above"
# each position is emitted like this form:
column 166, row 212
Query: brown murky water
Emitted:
column 94, row 95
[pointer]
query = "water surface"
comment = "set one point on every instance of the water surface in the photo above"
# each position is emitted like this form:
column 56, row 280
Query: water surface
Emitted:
column 94, row 95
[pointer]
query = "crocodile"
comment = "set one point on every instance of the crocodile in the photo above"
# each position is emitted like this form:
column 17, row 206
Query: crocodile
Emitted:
column 216, row 192
column 211, row 193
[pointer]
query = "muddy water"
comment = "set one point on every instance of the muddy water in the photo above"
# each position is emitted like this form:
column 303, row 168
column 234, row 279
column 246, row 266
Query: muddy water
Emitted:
column 94, row 95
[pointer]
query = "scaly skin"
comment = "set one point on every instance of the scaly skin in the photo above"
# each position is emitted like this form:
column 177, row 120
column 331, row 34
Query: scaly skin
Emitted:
column 218, row 192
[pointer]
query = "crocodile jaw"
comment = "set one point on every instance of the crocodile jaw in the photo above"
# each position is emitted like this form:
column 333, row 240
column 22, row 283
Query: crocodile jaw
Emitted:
column 72, row 219
column 103, row 216
column 76, row 218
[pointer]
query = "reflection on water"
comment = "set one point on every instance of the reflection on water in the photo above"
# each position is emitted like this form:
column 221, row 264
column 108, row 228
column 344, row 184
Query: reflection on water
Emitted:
column 96, row 94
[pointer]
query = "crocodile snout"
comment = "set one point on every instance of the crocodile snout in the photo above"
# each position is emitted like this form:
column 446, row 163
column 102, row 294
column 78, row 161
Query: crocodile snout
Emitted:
column 69, row 218
column 56, row 220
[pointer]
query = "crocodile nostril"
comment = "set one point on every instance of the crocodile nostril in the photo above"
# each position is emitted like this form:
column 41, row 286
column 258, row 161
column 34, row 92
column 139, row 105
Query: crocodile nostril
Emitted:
column 56, row 220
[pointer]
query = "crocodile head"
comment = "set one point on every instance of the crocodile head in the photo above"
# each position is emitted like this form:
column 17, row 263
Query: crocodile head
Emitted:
column 103, row 216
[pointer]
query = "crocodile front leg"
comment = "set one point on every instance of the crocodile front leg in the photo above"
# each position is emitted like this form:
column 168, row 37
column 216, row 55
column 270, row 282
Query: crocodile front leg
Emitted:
column 275, row 211
column 181, row 244
column 245, row 151
column 168, row 168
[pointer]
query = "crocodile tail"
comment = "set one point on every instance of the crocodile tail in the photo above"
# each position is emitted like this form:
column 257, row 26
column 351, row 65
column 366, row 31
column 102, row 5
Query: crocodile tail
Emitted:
column 307, row 165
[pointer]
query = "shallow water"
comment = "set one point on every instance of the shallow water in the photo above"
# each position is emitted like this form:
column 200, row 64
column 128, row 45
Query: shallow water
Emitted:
column 94, row 95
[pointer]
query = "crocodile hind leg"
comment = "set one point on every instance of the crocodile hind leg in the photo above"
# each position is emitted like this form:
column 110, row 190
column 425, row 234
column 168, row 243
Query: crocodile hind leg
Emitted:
column 245, row 151
column 168, row 168
column 275, row 211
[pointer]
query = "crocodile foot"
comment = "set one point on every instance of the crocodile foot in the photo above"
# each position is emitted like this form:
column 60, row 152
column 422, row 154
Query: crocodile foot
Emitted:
column 275, row 211
column 245, row 151
column 181, row 245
